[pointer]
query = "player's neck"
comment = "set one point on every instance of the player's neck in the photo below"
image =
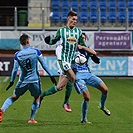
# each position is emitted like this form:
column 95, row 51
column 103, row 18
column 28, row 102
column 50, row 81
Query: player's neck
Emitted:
column 70, row 27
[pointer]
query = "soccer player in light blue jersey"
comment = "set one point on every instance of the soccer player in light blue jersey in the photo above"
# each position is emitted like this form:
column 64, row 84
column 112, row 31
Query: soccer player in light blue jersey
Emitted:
column 27, row 59
column 85, row 77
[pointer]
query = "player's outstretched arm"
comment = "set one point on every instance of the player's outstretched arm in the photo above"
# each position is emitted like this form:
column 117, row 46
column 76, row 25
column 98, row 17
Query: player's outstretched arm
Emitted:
column 89, row 50
column 13, row 75
column 51, row 41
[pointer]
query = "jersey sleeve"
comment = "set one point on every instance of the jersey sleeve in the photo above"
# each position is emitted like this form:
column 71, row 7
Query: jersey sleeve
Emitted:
column 57, row 38
column 38, row 52
column 15, row 68
column 44, row 65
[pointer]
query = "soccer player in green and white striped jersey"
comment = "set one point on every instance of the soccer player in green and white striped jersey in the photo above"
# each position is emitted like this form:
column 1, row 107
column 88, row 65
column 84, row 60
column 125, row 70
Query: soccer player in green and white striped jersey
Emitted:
column 71, row 36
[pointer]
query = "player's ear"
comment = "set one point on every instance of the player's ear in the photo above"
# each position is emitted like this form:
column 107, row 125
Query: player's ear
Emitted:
column 27, row 42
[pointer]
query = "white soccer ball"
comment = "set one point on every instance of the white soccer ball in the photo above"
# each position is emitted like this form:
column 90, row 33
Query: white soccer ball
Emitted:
column 80, row 59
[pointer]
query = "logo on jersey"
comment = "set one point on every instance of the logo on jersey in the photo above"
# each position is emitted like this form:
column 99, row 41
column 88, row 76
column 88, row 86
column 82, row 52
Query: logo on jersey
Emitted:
column 71, row 40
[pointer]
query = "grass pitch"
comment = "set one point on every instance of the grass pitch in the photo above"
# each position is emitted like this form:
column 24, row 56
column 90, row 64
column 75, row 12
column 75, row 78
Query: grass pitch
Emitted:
column 52, row 118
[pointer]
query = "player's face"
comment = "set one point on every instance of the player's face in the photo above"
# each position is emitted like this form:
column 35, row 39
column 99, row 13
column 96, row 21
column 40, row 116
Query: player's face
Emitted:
column 84, row 38
column 72, row 20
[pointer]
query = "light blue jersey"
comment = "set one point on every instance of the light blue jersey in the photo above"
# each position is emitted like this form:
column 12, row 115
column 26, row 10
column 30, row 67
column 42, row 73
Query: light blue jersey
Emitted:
column 28, row 59
column 84, row 76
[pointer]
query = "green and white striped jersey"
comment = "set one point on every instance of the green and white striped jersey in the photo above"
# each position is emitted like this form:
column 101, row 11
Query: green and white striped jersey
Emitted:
column 70, row 39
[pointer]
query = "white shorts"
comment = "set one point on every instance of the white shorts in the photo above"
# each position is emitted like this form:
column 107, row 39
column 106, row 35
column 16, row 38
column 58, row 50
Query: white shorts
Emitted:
column 64, row 66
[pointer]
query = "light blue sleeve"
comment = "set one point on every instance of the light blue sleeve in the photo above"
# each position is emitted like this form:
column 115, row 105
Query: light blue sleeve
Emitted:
column 44, row 65
column 14, row 71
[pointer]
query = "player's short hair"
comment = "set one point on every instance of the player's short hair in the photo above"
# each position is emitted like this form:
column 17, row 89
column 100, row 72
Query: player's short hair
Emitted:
column 23, row 39
column 71, row 13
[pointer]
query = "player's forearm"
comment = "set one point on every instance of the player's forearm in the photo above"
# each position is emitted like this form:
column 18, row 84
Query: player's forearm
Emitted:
column 54, row 41
column 14, row 71
column 89, row 50
column 13, row 76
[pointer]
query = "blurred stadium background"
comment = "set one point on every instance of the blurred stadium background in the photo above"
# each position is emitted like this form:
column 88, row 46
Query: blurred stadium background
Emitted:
column 107, row 23
column 109, row 28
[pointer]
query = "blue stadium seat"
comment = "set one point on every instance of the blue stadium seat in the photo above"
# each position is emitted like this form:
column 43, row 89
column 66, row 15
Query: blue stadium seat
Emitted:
column 65, row 5
column 93, row 16
column 121, row 5
column 83, row 0
column 111, row 5
column 93, row 0
column 130, row 16
column 102, row 4
column 93, row 5
column 74, row 5
column 130, row 4
column 55, row 5
column 83, row 17
column 84, row 5
column 103, row 15
column 55, row 17
column 111, row 0
column 64, row 17
column 112, row 16
column 121, row 16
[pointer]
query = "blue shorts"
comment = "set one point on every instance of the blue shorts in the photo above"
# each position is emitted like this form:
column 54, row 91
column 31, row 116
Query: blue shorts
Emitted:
column 86, row 78
column 34, row 88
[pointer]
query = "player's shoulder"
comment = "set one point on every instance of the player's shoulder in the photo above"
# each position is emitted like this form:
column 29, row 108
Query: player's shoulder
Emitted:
column 16, row 55
column 77, row 28
column 61, row 28
column 38, row 51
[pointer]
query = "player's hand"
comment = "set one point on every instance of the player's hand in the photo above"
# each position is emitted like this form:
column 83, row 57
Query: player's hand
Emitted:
column 53, row 80
column 95, row 59
column 47, row 39
column 10, row 85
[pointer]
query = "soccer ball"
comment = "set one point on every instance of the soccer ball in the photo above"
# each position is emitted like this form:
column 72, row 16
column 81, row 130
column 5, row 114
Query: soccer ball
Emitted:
column 80, row 59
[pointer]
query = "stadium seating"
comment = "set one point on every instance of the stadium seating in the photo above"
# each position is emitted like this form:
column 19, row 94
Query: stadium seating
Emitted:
column 55, row 17
column 93, row 5
column 130, row 16
column 103, row 15
column 93, row 1
column 112, row 11
column 102, row 4
column 111, row 5
column 121, row 16
column 84, row 6
column 93, row 16
column 112, row 16
column 130, row 4
column 65, row 5
column 55, row 5
column 121, row 5
column 64, row 17
column 83, row 18
column 74, row 5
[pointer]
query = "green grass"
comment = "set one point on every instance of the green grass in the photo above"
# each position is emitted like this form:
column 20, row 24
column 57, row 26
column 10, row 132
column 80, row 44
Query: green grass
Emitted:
column 53, row 119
